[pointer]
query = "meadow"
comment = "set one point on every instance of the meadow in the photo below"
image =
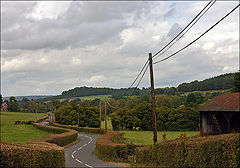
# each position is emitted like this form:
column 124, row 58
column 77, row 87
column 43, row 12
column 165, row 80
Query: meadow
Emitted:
column 101, row 97
column 19, row 133
column 146, row 137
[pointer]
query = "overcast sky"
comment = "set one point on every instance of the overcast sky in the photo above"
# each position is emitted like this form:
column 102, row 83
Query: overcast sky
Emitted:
column 48, row 47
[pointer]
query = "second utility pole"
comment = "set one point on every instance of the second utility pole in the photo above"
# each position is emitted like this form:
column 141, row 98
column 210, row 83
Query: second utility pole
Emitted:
column 153, row 100
column 105, row 116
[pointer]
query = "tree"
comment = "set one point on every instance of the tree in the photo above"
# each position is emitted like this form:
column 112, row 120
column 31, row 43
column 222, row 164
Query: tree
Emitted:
column 236, row 87
column 13, row 105
column 1, row 100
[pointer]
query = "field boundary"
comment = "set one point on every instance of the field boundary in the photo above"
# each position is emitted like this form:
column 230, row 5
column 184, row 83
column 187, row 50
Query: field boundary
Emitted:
column 87, row 130
column 210, row 151
column 46, row 151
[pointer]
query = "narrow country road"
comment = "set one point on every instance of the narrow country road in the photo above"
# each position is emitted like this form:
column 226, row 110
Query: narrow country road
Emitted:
column 82, row 153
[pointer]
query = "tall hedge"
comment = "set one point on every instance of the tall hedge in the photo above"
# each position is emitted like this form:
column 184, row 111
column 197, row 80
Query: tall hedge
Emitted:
column 212, row 151
column 31, row 155
column 108, row 150
column 80, row 129
column 63, row 136
column 38, row 152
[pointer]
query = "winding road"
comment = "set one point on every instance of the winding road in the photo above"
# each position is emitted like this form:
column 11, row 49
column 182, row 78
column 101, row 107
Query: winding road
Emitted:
column 82, row 153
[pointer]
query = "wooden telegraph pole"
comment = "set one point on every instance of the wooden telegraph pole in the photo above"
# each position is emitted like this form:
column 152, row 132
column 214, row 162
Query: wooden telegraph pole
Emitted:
column 153, row 100
column 100, row 109
column 105, row 116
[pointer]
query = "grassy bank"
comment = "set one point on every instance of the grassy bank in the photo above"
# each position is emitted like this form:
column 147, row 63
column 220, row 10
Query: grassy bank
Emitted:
column 146, row 137
column 19, row 133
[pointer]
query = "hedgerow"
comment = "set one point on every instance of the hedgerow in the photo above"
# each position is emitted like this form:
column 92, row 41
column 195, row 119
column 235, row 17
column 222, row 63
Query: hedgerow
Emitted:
column 63, row 136
column 38, row 152
column 211, row 151
column 31, row 155
column 108, row 150
column 80, row 129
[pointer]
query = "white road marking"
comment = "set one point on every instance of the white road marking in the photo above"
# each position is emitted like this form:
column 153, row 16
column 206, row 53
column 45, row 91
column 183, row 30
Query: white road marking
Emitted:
column 87, row 165
column 78, row 161
column 81, row 148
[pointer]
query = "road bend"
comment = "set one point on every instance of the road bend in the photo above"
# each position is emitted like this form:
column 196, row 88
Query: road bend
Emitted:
column 82, row 153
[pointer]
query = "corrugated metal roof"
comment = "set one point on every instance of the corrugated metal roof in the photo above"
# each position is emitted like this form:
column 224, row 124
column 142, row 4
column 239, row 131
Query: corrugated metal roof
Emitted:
column 225, row 102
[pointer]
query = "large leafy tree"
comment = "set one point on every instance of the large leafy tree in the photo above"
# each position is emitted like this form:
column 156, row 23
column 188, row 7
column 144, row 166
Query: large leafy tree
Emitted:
column 236, row 87
column 13, row 105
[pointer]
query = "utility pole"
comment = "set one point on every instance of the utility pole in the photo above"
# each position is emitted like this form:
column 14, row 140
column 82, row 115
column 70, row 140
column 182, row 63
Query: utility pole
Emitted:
column 105, row 116
column 100, row 109
column 35, row 113
column 78, row 118
column 153, row 100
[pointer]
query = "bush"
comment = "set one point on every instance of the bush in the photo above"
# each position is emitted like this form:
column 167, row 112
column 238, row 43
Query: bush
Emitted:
column 80, row 129
column 212, row 151
column 108, row 150
column 38, row 152
column 42, row 155
column 63, row 137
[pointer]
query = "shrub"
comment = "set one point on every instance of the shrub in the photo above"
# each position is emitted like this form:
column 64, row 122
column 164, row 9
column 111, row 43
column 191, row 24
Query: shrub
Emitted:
column 211, row 151
column 108, row 150
column 80, row 129
column 63, row 137
column 42, row 155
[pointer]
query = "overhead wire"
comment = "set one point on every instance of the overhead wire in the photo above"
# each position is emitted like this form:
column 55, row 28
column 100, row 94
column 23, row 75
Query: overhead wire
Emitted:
column 183, row 29
column 140, row 80
column 145, row 64
column 199, row 36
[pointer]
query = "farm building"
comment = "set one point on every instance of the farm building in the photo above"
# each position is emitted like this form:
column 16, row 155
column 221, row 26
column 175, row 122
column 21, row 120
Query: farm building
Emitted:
column 221, row 114
column 4, row 107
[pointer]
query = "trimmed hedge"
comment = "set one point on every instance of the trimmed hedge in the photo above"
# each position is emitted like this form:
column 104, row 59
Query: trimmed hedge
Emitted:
column 211, row 151
column 31, row 155
column 63, row 136
column 108, row 150
column 38, row 152
column 80, row 129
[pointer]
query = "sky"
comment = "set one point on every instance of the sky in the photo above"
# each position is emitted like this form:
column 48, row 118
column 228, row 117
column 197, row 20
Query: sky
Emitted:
column 48, row 47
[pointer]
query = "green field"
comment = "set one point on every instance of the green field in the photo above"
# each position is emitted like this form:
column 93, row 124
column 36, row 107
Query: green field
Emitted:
column 205, row 92
column 109, row 124
column 146, row 137
column 101, row 97
column 19, row 133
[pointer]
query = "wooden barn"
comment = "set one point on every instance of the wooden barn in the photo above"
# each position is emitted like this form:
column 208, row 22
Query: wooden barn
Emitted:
column 221, row 114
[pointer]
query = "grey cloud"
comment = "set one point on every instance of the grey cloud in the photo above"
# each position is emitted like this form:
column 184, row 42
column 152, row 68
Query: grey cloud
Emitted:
column 174, row 30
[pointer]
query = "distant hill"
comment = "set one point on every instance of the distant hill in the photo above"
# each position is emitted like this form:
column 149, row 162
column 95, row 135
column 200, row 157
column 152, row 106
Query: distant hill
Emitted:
column 18, row 98
column 222, row 82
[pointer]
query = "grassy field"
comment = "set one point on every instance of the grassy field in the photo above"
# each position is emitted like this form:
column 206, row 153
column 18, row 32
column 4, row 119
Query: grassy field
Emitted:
column 101, row 97
column 109, row 123
column 205, row 92
column 19, row 133
column 146, row 137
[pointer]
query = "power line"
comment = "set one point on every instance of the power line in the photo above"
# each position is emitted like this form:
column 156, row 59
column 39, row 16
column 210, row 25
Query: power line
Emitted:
column 135, row 79
column 139, row 80
column 186, row 30
column 183, row 29
column 199, row 36
column 111, row 105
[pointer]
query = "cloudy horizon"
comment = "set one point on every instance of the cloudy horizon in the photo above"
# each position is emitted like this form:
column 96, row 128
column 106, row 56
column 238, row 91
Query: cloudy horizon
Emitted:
column 49, row 47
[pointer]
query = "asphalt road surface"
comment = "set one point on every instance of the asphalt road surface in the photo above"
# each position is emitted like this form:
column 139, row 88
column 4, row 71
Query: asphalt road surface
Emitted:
column 82, row 153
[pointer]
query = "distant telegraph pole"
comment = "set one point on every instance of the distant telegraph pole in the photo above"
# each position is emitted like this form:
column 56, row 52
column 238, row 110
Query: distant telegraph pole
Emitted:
column 153, row 100
column 100, row 109
column 105, row 116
